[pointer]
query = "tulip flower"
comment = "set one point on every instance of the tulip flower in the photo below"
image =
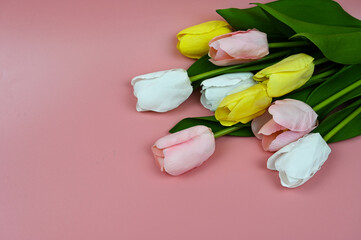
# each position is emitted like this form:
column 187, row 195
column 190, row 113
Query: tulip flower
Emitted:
column 285, row 121
column 238, row 47
column 216, row 88
column 286, row 75
column 161, row 91
column 243, row 106
column 181, row 151
column 298, row 161
column 193, row 41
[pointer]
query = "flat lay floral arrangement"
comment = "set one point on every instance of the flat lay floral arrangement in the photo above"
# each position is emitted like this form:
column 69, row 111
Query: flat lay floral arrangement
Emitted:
column 287, row 72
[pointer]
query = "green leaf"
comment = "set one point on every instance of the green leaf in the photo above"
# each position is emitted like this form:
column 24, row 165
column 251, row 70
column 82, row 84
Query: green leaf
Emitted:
column 200, row 66
column 243, row 19
column 334, row 84
column 325, row 23
column 301, row 95
column 342, row 48
column 212, row 123
column 352, row 129
column 324, row 12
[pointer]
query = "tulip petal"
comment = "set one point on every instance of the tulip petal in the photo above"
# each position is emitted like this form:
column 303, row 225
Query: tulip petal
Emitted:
column 202, row 28
column 238, row 47
column 282, row 83
column 292, row 63
column 298, row 161
column 270, row 127
column 243, row 106
column 268, row 139
column 161, row 91
column 215, row 89
column 181, row 136
column 183, row 157
column 252, row 45
column 258, row 122
column 293, row 115
column 282, row 139
column 184, row 150
column 286, row 75
column 196, row 45
column 159, row 157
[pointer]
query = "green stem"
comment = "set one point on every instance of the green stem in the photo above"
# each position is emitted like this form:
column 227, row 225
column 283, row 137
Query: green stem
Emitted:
column 320, row 61
column 337, row 95
column 225, row 131
column 240, row 67
column 212, row 73
column 288, row 44
column 324, row 74
column 343, row 123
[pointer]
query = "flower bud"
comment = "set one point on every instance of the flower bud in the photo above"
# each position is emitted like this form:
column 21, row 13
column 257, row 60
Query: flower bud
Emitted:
column 161, row 91
column 193, row 41
column 285, row 121
column 238, row 47
column 243, row 106
column 286, row 75
column 216, row 88
column 181, row 151
column 298, row 161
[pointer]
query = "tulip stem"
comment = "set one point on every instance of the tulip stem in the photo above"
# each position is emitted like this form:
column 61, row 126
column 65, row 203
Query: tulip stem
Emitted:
column 288, row 44
column 337, row 95
column 319, row 78
column 225, row 131
column 320, row 61
column 324, row 74
column 343, row 123
column 251, row 66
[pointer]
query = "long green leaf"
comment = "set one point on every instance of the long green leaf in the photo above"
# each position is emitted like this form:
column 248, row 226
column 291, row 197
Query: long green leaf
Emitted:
column 324, row 12
column 352, row 129
column 333, row 31
column 212, row 123
column 334, row 84
column 243, row 19
column 200, row 66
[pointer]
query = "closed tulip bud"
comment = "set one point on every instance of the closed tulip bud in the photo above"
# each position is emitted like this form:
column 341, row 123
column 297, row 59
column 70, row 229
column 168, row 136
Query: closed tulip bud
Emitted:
column 238, row 47
column 243, row 106
column 297, row 162
column 179, row 152
column 285, row 121
column 286, row 75
column 161, row 91
column 193, row 41
column 216, row 88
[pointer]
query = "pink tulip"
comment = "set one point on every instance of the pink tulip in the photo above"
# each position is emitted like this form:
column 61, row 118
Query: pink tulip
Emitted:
column 238, row 47
column 181, row 151
column 286, row 121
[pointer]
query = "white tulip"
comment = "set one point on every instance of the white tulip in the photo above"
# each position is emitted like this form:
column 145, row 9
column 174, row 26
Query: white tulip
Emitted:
column 298, row 161
column 215, row 89
column 161, row 91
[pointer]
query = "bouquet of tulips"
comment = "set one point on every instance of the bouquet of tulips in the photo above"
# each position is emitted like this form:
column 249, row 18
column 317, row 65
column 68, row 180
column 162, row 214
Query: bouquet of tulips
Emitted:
column 287, row 72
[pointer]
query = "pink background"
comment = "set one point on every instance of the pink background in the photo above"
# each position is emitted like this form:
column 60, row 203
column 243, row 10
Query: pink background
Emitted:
column 75, row 159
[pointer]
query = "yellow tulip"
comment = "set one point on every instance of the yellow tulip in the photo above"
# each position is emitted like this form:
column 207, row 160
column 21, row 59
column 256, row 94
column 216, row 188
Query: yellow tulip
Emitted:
column 286, row 75
column 193, row 41
column 243, row 106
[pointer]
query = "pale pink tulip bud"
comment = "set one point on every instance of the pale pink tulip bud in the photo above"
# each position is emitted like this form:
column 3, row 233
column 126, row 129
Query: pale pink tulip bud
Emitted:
column 285, row 121
column 181, row 151
column 238, row 47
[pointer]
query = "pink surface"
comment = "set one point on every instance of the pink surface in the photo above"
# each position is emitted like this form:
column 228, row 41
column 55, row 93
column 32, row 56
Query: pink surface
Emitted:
column 75, row 158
